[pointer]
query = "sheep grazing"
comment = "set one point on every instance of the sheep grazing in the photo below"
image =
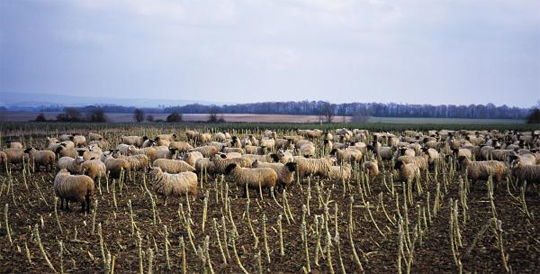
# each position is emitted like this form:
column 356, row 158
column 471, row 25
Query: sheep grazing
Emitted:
column 525, row 173
column 283, row 156
column 15, row 145
column 341, row 173
column 221, row 162
column 133, row 140
column 136, row 162
column 307, row 150
column 94, row 137
column 62, row 151
column 192, row 157
column 252, row 177
column 205, row 164
column 285, row 172
column 318, row 167
column 40, row 158
column 372, row 168
column 481, row 170
column 151, row 152
column 406, row 172
column 207, row 151
column 172, row 166
column 94, row 168
column 78, row 140
column 74, row 188
column 420, row 161
column 165, row 184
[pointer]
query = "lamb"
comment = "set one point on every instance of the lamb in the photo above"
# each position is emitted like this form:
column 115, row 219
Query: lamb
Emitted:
column 525, row 173
column 16, row 145
column 318, row 167
column 133, row 140
column 285, row 172
column 94, row 137
column 481, row 170
column 341, row 173
column 192, row 157
column 181, row 146
column 406, row 172
column 252, row 177
column 75, row 188
column 221, row 162
column 94, row 168
column 207, row 151
column 172, row 166
column 165, row 184
column 71, row 164
column 372, row 168
column 40, row 158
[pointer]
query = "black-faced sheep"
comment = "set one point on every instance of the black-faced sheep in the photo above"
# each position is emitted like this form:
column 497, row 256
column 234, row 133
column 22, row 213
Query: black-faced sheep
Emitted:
column 74, row 188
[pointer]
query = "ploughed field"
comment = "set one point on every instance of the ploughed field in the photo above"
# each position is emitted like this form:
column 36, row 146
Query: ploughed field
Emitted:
column 435, row 221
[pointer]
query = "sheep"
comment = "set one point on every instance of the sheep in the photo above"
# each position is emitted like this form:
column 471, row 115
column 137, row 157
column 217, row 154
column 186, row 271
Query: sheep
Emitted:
column 526, row 159
column 372, row 168
column 233, row 142
column 15, row 155
column 307, row 150
column 220, row 137
column 420, row 161
column 282, row 143
column 151, row 152
column 133, row 140
column 161, row 142
column 270, row 134
column 404, row 151
column 525, row 173
column 249, row 149
column 231, row 155
column 221, row 162
column 481, row 170
column 285, row 172
column 318, row 167
column 233, row 150
column 302, row 142
column 347, row 155
column 68, row 144
column 268, row 158
column 169, row 137
column 65, row 137
column 94, row 168
column 341, row 173
column 73, row 165
column 501, row 154
column 406, row 172
column 284, row 156
column 205, row 137
column 115, row 166
column 458, row 152
column 386, row 153
column 433, row 156
column 269, row 143
column 78, row 140
column 75, row 188
column 16, row 145
column 181, row 146
column 172, row 166
column 94, row 137
column 40, row 158
column 165, row 153
column 123, row 148
column 207, row 151
column 328, row 145
column 62, row 151
column 205, row 164
column 165, row 184
column 52, row 143
column 192, row 157
column 136, row 162
column 192, row 135
column 252, row 177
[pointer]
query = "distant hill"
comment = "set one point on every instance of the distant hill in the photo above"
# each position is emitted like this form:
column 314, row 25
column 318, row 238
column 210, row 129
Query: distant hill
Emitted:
column 34, row 101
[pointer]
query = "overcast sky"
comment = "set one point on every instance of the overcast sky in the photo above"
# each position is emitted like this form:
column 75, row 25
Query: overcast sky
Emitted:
column 403, row 51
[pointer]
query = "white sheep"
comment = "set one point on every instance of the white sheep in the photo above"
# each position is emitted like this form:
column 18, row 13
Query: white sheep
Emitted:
column 172, row 166
column 40, row 158
column 285, row 172
column 165, row 184
column 252, row 177
column 75, row 188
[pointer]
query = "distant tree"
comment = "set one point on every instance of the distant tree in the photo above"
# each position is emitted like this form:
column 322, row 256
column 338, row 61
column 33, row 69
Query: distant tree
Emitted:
column 326, row 112
column 174, row 117
column 41, row 118
column 212, row 116
column 360, row 116
column 138, row 115
column 534, row 117
column 97, row 116
column 221, row 119
column 150, row 118
column 69, row 115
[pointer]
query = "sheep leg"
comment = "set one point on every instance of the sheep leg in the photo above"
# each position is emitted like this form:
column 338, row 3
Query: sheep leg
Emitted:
column 61, row 203
column 245, row 191
column 87, row 201
column 67, row 204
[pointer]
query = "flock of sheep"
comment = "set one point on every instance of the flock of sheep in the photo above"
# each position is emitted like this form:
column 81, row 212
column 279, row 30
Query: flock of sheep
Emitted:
column 268, row 161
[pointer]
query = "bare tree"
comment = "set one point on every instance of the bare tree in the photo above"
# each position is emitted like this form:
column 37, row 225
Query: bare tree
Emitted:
column 138, row 115
column 326, row 112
